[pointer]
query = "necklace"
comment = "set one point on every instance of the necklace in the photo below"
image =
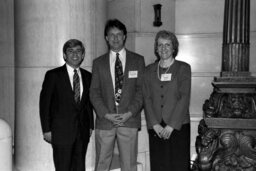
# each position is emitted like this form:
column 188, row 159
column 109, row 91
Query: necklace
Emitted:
column 158, row 69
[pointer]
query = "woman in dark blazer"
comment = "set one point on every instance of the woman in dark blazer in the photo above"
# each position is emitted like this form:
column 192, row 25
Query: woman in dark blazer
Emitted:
column 167, row 84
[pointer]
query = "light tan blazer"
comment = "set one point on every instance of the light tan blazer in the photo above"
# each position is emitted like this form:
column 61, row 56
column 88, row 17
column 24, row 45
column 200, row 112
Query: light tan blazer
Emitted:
column 102, row 91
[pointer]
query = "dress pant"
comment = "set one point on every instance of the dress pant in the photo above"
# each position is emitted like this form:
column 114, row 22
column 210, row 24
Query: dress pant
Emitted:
column 127, row 142
column 172, row 154
column 70, row 157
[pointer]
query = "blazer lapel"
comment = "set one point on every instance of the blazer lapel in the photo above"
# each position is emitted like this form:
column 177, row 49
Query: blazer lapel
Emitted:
column 128, row 65
column 127, row 69
column 107, row 72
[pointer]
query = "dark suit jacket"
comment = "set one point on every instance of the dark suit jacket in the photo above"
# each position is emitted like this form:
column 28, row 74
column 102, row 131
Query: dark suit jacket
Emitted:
column 58, row 111
column 102, row 91
column 167, row 100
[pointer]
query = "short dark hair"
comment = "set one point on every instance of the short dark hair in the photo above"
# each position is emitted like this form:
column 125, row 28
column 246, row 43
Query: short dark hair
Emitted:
column 114, row 23
column 73, row 43
column 170, row 36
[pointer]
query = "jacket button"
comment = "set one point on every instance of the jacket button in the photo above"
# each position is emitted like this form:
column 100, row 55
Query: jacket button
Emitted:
column 162, row 106
column 162, row 96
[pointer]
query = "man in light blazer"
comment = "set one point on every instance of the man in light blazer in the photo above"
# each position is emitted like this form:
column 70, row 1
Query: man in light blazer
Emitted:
column 118, row 111
column 65, row 110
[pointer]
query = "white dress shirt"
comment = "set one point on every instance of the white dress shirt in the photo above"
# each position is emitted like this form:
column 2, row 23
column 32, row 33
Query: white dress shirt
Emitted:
column 112, row 60
column 71, row 74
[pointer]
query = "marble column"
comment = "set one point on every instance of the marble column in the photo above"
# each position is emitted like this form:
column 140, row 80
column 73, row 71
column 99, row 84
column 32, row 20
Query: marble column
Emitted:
column 41, row 29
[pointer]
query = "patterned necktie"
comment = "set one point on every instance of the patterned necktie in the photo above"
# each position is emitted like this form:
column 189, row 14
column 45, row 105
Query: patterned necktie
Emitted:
column 76, row 86
column 118, row 78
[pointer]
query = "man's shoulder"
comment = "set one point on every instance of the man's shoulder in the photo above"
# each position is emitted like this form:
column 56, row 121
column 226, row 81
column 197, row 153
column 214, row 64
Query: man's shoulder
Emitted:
column 136, row 58
column 56, row 70
column 101, row 58
column 54, row 73
column 136, row 55
column 84, row 71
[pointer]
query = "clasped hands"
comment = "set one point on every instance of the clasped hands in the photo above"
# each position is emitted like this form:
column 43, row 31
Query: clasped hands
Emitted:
column 164, row 133
column 118, row 119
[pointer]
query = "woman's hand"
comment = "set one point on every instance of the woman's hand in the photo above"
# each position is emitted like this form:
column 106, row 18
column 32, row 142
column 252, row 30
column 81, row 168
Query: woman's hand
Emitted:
column 167, row 131
column 158, row 129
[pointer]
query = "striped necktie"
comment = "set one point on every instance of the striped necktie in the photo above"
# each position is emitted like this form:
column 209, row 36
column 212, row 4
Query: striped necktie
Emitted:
column 76, row 87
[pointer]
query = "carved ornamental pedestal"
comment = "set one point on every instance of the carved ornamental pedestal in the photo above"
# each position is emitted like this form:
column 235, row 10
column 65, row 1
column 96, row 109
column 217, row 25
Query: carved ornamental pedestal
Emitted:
column 227, row 133
column 227, row 136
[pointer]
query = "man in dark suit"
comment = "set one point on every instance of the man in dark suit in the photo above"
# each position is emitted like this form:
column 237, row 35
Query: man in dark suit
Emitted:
column 116, row 95
column 65, row 110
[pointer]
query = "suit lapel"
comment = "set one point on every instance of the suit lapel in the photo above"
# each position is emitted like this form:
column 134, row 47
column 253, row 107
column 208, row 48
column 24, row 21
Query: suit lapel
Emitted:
column 66, row 80
column 85, row 85
column 67, row 84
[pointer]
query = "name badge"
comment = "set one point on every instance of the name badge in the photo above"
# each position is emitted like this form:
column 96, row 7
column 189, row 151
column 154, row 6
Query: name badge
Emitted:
column 133, row 74
column 166, row 77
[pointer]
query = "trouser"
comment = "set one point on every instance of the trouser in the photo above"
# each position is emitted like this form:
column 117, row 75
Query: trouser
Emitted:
column 70, row 157
column 127, row 142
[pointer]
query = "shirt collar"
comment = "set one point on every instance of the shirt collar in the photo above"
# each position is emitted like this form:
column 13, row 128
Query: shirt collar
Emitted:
column 122, row 54
column 71, row 69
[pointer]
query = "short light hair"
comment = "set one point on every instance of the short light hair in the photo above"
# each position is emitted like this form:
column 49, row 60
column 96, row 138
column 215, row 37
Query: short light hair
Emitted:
column 169, row 36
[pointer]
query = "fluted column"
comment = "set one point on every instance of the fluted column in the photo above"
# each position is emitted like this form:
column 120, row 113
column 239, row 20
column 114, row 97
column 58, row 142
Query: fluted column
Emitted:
column 236, row 36
column 41, row 29
column 227, row 131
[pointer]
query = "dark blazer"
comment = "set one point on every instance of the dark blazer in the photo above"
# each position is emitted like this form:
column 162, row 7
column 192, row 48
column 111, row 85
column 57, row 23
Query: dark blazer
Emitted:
column 167, row 100
column 102, row 91
column 58, row 111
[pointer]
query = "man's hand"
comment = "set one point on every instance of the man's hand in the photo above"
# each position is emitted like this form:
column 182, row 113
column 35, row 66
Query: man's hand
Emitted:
column 114, row 118
column 122, row 118
column 90, row 132
column 48, row 137
column 166, row 133
column 118, row 119
column 125, row 116
column 158, row 129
